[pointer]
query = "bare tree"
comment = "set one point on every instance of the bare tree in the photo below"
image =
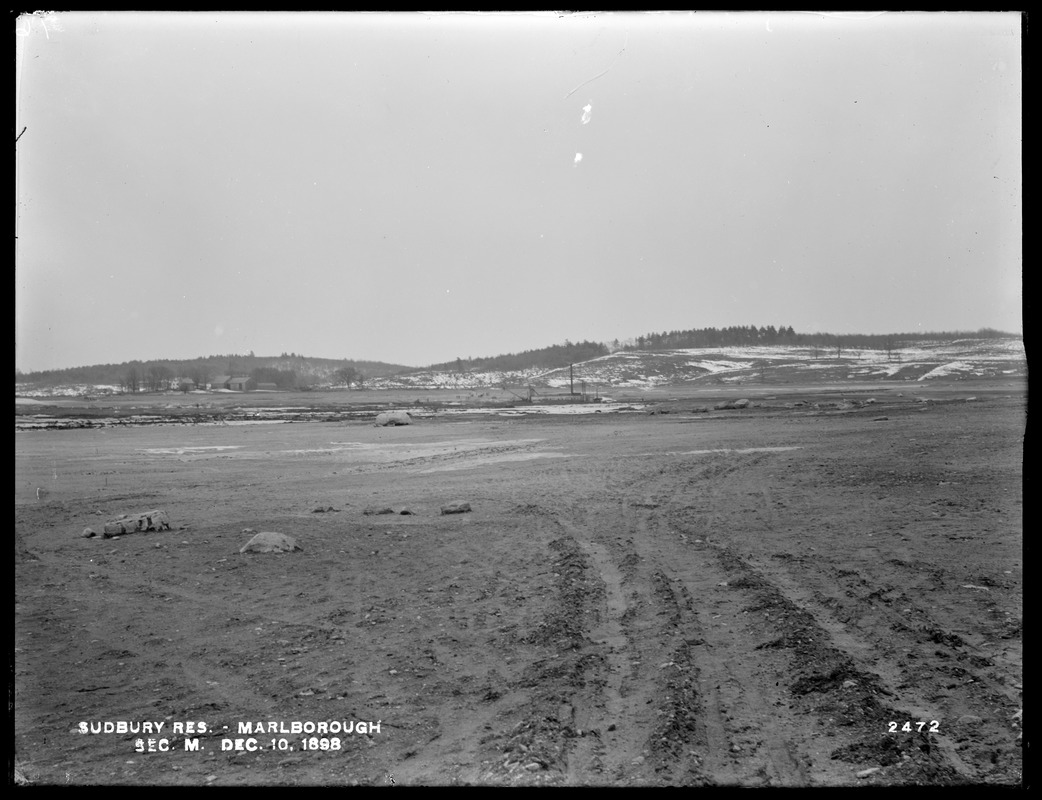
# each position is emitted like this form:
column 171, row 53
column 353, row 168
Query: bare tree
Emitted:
column 201, row 376
column 347, row 376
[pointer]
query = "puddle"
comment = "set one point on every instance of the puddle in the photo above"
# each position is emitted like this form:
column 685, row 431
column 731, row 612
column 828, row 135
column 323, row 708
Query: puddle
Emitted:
column 191, row 451
column 246, row 422
column 722, row 450
column 549, row 408
column 484, row 461
column 453, row 444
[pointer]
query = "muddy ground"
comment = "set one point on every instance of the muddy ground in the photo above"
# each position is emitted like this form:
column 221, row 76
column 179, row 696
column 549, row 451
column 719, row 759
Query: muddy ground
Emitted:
column 779, row 595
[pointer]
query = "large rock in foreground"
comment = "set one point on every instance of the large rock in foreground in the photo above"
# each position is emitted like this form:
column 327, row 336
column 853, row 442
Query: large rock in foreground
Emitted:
column 393, row 418
column 270, row 542
column 455, row 508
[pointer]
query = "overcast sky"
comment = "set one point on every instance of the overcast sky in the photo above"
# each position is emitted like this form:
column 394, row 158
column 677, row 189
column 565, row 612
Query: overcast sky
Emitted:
column 414, row 188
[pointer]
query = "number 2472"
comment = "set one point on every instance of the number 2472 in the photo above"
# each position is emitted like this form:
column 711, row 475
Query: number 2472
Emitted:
column 935, row 726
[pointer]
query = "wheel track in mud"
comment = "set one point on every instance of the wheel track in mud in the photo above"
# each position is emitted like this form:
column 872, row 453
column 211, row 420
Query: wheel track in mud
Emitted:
column 674, row 719
column 742, row 724
column 615, row 707
column 739, row 744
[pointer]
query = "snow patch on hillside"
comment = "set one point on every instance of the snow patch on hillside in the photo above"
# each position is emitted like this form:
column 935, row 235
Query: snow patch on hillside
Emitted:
column 949, row 369
column 719, row 366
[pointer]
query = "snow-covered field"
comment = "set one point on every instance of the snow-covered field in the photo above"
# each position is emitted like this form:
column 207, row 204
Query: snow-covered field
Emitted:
column 69, row 390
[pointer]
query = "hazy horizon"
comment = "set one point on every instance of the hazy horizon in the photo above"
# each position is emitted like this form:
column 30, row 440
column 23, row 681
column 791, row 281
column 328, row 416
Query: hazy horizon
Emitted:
column 412, row 188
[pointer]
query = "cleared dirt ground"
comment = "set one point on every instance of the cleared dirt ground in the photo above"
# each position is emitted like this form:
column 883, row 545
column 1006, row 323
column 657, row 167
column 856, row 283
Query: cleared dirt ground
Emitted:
column 755, row 597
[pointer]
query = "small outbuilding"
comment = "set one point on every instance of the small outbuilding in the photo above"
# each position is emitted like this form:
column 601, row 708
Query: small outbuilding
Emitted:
column 241, row 384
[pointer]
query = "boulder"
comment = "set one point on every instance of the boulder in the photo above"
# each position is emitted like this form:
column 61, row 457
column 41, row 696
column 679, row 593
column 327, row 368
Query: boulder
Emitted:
column 743, row 403
column 455, row 508
column 723, row 405
column 270, row 542
column 386, row 418
column 149, row 521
